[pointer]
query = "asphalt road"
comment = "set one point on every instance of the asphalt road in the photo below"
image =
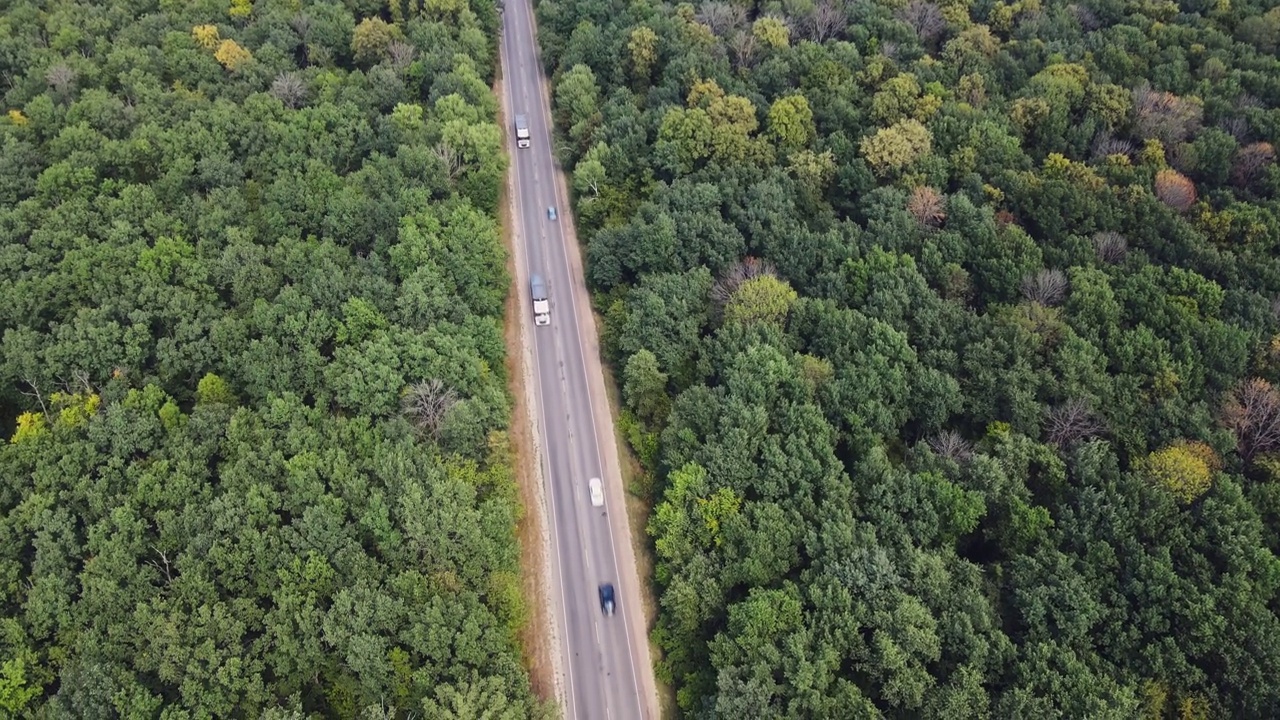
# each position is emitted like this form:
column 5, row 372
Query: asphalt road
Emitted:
column 604, row 661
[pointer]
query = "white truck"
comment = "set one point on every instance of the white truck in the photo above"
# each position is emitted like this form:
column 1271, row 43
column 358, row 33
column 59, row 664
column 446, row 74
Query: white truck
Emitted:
column 522, row 131
column 541, row 305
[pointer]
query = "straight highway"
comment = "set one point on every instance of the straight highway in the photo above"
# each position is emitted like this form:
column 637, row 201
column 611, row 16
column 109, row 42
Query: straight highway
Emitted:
column 604, row 660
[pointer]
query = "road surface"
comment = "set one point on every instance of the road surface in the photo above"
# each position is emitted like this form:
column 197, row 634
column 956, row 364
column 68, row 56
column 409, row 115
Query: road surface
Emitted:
column 605, row 671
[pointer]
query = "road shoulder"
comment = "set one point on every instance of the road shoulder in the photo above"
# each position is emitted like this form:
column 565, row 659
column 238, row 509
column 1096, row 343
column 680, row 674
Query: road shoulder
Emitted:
column 632, row 601
column 540, row 636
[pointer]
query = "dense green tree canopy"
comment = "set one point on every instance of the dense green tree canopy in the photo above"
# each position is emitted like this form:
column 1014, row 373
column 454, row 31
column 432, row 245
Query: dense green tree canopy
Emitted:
column 251, row 369
column 1010, row 448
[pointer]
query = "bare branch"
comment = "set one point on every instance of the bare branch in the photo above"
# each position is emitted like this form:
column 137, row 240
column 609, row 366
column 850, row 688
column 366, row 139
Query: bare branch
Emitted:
column 1248, row 102
column 1111, row 247
column 166, row 569
column 427, row 403
column 1164, row 116
column 1047, row 287
column 35, row 393
column 450, row 158
column 1251, row 162
column 722, row 17
column 827, row 20
column 1105, row 145
column 1235, row 126
column 1087, row 18
column 1070, row 423
column 60, row 77
column 952, row 446
column 924, row 18
column 318, row 54
column 739, row 273
column 301, row 24
column 289, row 89
column 744, row 48
column 927, row 206
column 401, row 54
column 1252, row 412
column 82, row 383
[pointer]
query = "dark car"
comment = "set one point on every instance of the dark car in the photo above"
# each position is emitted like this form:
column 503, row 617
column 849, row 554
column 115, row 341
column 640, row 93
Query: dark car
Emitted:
column 606, row 598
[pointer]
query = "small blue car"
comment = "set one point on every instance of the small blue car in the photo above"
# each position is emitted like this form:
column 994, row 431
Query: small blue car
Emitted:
column 551, row 213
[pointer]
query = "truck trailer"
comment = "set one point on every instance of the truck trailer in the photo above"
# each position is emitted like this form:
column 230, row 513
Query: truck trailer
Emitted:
column 541, row 305
column 522, row 131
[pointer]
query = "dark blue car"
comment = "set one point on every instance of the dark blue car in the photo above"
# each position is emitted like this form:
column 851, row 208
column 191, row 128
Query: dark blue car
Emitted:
column 606, row 598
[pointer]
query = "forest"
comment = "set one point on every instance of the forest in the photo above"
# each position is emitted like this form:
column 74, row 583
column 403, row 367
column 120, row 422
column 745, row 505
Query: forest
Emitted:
column 252, row 381
column 948, row 335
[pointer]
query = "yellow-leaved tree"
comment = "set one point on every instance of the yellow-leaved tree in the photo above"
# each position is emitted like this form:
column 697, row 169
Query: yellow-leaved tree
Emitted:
column 1185, row 469
column 206, row 36
column 772, row 31
column 231, row 55
column 371, row 39
column 897, row 147
column 31, row 425
column 240, row 9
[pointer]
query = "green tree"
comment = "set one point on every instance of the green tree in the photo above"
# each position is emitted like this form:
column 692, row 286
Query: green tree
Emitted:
column 214, row 390
column 684, row 139
column 791, row 122
column 480, row 698
column 643, row 46
column 372, row 38
column 577, row 103
column 760, row 299
column 900, row 98
column 902, row 542
column 589, row 174
column 254, row 253
column 645, row 387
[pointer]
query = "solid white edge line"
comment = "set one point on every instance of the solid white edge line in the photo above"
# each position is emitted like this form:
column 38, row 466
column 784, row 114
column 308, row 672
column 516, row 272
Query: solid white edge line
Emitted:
column 544, row 458
column 544, row 105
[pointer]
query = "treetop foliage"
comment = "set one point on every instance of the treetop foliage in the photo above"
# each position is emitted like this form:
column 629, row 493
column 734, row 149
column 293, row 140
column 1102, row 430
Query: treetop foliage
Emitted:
column 1010, row 448
column 251, row 370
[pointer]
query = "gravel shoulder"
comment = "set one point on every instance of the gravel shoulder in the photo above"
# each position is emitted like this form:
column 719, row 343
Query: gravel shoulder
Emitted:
column 540, row 636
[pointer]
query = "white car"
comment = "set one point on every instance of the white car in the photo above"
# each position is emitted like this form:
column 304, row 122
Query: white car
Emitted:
column 597, row 492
